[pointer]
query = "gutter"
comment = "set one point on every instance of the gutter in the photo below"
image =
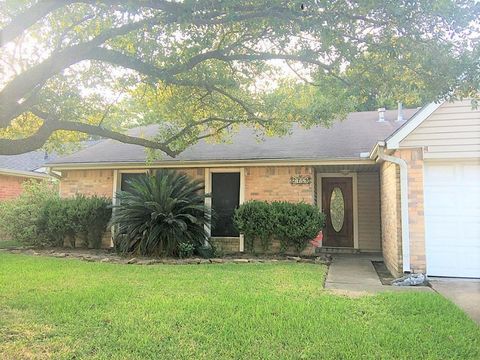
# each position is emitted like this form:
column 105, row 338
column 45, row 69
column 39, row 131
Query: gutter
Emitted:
column 23, row 173
column 378, row 150
column 53, row 174
column 206, row 163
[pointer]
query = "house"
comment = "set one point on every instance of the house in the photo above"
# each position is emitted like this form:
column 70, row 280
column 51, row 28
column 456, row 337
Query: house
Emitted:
column 406, row 183
column 16, row 169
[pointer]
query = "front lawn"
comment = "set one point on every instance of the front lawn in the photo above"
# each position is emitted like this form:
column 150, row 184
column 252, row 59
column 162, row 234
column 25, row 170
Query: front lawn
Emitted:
column 61, row 308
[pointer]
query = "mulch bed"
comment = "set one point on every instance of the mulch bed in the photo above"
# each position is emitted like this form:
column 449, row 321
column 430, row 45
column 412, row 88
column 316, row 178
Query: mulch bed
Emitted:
column 383, row 273
column 109, row 256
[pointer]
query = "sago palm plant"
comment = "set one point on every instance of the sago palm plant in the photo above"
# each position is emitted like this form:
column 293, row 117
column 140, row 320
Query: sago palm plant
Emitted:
column 159, row 212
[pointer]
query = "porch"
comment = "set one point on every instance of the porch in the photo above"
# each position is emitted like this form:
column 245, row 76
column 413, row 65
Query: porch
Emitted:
column 348, row 194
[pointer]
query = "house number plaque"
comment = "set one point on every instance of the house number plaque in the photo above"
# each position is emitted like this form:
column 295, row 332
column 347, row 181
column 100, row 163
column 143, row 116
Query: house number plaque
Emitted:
column 300, row 180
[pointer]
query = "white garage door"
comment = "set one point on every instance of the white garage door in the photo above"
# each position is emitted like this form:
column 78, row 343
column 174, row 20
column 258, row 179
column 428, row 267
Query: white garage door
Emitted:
column 452, row 218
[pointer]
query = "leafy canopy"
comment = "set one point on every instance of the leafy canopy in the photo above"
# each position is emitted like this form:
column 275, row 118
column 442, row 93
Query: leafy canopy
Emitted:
column 202, row 68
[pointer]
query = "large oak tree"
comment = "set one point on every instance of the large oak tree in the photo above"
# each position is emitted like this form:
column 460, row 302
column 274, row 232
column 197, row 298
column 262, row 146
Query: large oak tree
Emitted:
column 202, row 68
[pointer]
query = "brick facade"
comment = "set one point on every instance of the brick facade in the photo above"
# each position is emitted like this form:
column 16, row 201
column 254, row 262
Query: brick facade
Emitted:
column 87, row 182
column 261, row 183
column 227, row 245
column 194, row 173
column 273, row 183
column 391, row 212
column 391, row 217
column 414, row 159
column 11, row 186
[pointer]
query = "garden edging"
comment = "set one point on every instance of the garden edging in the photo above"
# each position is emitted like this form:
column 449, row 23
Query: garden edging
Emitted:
column 109, row 257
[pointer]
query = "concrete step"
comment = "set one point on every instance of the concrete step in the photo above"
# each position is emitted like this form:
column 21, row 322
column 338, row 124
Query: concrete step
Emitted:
column 336, row 250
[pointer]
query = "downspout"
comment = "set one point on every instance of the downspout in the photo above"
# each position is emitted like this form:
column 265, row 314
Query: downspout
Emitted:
column 403, row 204
column 53, row 174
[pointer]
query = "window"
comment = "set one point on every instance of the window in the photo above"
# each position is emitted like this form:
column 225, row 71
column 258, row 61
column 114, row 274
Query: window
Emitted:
column 126, row 177
column 337, row 209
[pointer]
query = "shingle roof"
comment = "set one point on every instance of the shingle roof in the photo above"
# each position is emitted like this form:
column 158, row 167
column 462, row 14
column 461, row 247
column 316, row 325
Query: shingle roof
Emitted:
column 25, row 162
column 346, row 139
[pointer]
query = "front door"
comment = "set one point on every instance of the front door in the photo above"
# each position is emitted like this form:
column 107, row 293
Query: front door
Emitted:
column 225, row 199
column 337, row 204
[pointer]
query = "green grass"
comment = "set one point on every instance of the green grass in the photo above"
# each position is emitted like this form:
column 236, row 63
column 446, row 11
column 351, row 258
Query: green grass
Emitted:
column 63, row 308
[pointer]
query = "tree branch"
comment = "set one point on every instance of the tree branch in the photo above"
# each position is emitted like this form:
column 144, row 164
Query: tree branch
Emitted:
column 25, row 82
column 52, row 123
column 30, row 16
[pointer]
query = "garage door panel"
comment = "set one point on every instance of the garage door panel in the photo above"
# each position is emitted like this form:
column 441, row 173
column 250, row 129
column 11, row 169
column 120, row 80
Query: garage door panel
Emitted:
column 452, row 229
column 471, row 175
column 441, row 202
column 472, row 230
column 470, row 201
column 452, row 219
column 446, row 229
column 444, row 174
column 439, row 266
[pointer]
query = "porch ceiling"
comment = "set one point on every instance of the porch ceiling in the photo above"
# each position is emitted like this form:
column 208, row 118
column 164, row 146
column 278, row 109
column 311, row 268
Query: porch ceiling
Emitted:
column 349, row 168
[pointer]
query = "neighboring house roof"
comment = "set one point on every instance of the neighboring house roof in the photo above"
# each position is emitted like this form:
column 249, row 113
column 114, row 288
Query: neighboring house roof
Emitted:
column 346, row 139
column 30, row 161
column 26, row 165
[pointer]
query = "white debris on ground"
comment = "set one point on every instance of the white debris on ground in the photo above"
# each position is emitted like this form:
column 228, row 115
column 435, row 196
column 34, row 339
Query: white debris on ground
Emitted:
column 411, row 280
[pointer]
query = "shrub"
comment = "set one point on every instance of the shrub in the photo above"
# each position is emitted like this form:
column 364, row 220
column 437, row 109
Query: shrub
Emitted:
column 40, row 217
column 93, row 215
column 297, row 223
column 293, row 224
column 254, row 220
column 54, row 221
column 19, row 217
column 185, row 250
column 284, row 215
column 159, row 212
column 75, row 218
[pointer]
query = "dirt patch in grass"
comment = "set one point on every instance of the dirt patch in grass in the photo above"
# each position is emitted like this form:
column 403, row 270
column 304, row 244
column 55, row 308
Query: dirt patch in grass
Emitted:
column 21, row 338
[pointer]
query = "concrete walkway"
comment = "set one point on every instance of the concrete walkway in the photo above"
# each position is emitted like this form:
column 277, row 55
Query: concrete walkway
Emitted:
column 354, row 274
column 465, row 293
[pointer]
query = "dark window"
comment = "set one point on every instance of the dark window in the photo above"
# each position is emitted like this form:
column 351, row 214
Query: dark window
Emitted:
column 225, row 199
column 126, row 177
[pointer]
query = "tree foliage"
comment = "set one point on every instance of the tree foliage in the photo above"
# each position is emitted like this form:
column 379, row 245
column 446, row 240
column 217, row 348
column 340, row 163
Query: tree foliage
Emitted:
column 202, row 68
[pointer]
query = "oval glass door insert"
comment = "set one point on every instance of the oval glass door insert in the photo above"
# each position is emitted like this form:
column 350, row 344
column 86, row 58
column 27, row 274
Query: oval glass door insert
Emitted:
column 337, row 209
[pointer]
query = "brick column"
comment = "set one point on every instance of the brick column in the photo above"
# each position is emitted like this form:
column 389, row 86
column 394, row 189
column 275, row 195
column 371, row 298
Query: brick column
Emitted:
column 391, row 217
column 414, row 159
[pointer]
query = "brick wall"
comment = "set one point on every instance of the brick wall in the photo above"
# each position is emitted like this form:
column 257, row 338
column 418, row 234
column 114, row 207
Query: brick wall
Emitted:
column 273, row 183
column 10, row 186
column 227, row 245
column 391, row 212
column 391, row 217
column 87, row 182
column 194, row 173
column 414, row 159
column 261, row 183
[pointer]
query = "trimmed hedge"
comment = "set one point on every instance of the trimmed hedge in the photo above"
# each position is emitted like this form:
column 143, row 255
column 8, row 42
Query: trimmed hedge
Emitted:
column 40, row 217
column 79, row 219
column 293, row 224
